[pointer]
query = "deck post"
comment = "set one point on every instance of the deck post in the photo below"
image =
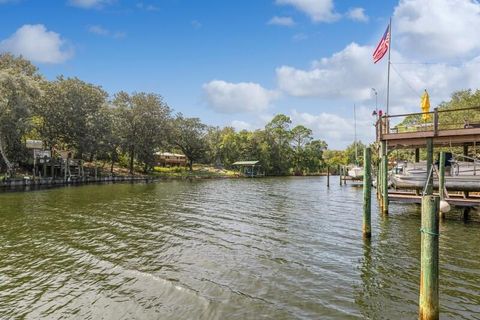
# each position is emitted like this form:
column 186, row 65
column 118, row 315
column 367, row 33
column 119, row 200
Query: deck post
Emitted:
column 417, row 155
column 367, row 194
column 429, row 188
column 428, row 302
column 384, row 182
column 328, row 176
column 465, row 149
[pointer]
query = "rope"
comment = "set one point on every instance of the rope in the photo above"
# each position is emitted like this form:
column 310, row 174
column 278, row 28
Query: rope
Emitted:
column 428, row 179
column 423, row 230
column 406, row 82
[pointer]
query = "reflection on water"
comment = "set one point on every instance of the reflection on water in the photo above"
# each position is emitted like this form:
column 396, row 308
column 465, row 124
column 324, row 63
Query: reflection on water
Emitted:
column 264, row 248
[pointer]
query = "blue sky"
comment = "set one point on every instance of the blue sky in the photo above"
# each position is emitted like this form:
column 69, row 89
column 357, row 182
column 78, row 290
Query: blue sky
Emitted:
column 238, row 62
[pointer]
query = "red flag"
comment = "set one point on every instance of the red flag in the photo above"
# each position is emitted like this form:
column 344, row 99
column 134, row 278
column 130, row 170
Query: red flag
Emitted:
column 382, row 47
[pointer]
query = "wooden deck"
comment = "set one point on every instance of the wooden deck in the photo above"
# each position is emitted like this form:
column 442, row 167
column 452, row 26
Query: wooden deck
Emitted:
column 454, row 200
column 442, row 134
column 455, row 137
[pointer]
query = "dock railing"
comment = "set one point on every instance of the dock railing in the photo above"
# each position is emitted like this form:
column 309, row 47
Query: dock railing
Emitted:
column 434, row 121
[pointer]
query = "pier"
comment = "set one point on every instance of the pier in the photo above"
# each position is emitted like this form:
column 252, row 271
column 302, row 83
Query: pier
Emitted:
column 439, row 131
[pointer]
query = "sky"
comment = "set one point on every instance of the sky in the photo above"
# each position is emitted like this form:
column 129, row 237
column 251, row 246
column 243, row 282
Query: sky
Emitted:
column 239, row 62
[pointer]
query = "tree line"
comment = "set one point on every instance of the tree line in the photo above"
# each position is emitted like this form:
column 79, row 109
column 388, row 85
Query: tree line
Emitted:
column 128, row 128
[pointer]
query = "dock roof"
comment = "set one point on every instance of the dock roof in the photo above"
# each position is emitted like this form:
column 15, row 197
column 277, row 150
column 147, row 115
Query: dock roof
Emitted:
column 245, row 163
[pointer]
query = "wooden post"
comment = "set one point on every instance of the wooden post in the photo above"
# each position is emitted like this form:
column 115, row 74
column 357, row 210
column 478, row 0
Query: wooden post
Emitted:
column 384, row 178
column 428, row 302
column 328, row 176
column 435, row 121
column 367, row 194
column 379, row 179
column 345, row 173
column 44, row 167
column 429, row 189
column 340, row 174
column 465, row 150
column 417, row 155
column 441, row 179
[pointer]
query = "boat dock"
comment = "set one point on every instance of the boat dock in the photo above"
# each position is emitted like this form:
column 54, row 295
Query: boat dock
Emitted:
column 453, row 199
column 448, row 128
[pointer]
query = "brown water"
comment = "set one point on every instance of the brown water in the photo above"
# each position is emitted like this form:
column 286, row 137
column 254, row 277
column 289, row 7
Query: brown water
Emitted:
column 280, row 248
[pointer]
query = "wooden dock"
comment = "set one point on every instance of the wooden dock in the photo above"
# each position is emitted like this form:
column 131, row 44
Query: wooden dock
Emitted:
column 454, row 200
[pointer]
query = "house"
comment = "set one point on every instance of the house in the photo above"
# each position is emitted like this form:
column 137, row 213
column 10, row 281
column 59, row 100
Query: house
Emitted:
column 167, row 159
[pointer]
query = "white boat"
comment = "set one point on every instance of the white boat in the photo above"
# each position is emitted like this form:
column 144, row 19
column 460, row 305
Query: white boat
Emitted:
column 355, row 172
column 459, row 176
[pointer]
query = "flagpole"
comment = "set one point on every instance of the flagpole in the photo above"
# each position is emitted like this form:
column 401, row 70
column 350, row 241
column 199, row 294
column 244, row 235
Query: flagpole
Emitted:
column 388, row 72
column 355, row 123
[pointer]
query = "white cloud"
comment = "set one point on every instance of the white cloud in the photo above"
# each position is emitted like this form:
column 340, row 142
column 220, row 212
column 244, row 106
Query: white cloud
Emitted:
column 437, row 28
column 299, row 37
column 88, row 4
column 317, row 10
column 350, row 74
column 196, row 24
column 357, row 14
column 226, row 97
column 337, row 131
column 101, row 31
column 347, row 74
column 36, row 43
column 282, row 21
column 147, row 7
column 241, row 125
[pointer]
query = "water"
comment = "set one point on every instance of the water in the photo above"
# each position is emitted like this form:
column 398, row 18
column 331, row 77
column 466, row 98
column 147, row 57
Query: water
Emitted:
column 280, row 248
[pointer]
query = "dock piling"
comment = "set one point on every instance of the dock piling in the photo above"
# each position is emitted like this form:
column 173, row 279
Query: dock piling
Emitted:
column 367, row 194
column 384, row 182
column 340, row 170
column 429, row 296
column 328, row 176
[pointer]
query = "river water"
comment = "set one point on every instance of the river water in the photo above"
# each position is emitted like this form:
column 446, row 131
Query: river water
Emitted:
column 279, row 248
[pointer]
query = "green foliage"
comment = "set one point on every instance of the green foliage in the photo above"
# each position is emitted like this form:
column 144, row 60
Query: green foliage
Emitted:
column 189, row 135
column 20, row 89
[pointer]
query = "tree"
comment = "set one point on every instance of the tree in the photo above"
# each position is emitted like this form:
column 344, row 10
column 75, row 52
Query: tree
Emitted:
column 189, row 135
column 300, row 136
column 72, row 115
column 19, row 92
column 143, row 125
column 278, row 137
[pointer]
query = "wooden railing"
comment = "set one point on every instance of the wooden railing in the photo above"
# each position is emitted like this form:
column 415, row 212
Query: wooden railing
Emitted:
column 434, row 121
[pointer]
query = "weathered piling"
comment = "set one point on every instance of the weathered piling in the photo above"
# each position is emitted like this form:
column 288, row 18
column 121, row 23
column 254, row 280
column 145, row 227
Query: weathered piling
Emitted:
column 328, row 176
column 340, row 173
column 428, row 302
column 379, row 178
column 384, row 178
column 367, row 194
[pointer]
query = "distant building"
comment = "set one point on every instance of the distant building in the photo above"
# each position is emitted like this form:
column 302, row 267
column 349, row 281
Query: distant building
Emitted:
column 167, row 159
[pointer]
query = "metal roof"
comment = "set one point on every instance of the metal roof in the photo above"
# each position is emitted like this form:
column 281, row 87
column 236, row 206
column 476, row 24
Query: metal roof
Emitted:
column 245, row 163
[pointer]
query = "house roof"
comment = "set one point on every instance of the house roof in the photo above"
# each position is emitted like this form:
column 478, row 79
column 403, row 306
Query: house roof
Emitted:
column 245, row 163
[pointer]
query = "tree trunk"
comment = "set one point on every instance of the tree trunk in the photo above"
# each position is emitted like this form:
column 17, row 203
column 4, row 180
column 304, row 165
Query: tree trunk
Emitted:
column 132, row 155
column 111, row 167
column 190, row 165
column 4, row 156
